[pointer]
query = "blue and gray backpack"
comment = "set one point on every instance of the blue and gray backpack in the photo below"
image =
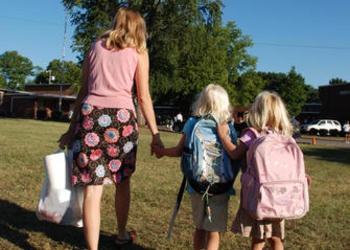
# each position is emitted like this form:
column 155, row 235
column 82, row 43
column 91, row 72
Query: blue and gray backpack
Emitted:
column 205, row 164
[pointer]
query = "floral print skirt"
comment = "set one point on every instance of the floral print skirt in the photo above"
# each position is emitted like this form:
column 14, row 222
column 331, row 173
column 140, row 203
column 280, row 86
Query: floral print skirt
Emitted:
column 105, row 145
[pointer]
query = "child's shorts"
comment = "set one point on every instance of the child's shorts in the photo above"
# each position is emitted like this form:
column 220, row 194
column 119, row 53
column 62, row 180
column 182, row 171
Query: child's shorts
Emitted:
column 219, row 212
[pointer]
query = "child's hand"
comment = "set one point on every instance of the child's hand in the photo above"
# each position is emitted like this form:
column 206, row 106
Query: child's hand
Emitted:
column 308, row 178
column 157, row 150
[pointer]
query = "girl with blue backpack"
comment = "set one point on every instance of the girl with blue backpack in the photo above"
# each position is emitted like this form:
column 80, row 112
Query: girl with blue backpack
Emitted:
column 206, row 167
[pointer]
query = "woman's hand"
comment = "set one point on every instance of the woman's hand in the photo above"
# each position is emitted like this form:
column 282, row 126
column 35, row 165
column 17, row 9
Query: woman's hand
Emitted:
column 156, row 145
column 157, row 150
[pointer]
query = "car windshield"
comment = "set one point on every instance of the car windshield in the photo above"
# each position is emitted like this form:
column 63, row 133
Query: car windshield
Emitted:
column 314, row 122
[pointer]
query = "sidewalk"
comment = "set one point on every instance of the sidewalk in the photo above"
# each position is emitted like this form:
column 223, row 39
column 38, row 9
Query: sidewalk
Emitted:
column 339, row 142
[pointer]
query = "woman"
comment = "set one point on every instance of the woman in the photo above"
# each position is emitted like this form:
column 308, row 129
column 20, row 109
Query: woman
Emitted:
column 103, row 131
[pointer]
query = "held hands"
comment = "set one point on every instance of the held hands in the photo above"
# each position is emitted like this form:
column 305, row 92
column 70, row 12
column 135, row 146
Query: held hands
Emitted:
column 156, row 146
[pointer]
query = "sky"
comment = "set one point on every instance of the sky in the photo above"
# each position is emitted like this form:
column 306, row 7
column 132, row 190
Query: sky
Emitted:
column 311, row 35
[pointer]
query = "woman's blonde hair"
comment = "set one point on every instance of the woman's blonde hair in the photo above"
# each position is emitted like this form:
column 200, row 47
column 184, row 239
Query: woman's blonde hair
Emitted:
column 213, row 99
column 129, row 30
column 269, row 111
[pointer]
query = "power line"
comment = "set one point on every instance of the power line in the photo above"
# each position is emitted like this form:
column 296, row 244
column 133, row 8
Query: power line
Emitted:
column 255, row 43
column 301, row 46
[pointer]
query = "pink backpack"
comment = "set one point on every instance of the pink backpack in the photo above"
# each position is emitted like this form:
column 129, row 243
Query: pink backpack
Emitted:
column 274, row 185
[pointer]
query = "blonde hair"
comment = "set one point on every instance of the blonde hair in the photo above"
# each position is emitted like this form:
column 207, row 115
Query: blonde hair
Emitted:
column 129, row 30
column 213, row 99
column 269, row 111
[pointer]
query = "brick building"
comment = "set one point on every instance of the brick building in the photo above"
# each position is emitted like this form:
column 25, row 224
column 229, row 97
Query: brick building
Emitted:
column 335, row 101
column 38, row 101
column 334, row 104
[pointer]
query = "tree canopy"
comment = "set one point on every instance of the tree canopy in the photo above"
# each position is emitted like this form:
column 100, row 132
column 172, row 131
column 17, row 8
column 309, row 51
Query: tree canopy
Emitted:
column 62, row 71
column 188, row 44
column 291, row 88
column 15, row 69
column 335, row 81
column 189, row 47
column 2, row 82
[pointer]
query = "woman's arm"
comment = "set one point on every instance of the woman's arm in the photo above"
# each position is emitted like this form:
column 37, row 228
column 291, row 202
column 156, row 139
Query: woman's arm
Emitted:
column 144, row 97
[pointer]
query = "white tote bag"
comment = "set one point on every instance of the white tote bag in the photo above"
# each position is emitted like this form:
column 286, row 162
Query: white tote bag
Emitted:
column 59, row 202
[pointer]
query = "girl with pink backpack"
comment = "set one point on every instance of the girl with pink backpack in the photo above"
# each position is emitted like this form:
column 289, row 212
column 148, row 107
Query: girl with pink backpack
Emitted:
column 267, row 115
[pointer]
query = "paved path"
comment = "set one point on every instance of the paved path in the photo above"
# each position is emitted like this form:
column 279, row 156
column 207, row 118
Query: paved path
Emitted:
column 324, row 141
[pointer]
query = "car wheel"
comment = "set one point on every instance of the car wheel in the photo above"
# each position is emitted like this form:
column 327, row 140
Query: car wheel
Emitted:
column 323, row 132
column 313, row 131
column 334, row 132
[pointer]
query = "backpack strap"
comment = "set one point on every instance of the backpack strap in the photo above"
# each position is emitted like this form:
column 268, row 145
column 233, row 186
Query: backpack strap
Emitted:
column 210, row 116
column 235, row 163
column 188, row 136
column 249, row 153
column 253, row 130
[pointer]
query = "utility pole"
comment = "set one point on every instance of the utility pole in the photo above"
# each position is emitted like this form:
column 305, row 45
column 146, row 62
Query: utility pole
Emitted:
column 50, row 76
column 63, row 57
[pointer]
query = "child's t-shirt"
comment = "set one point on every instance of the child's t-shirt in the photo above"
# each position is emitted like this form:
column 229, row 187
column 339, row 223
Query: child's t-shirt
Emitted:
column 247, row 138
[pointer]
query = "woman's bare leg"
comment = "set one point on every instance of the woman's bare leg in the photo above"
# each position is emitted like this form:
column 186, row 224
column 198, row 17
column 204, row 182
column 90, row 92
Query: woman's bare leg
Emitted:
column 91, row 215
column 122, row 205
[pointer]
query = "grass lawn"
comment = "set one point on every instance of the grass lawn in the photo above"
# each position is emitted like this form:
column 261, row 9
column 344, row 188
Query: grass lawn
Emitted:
column 154, row 189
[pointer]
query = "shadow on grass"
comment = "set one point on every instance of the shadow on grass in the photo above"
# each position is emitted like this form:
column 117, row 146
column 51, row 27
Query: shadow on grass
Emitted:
column 16, row 223
column 336, row 154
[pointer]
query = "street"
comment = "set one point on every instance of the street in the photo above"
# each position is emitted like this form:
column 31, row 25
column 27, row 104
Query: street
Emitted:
column 339, row 142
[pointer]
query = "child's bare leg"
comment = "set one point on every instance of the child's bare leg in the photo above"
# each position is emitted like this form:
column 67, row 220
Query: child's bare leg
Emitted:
column 199, row 239
column 257, row 244
column 275, row 243
column 213, row 240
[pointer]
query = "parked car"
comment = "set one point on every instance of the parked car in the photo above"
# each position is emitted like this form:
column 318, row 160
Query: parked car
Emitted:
column 322, row 127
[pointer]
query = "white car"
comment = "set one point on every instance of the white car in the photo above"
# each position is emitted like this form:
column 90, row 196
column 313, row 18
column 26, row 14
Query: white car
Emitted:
column 322, row 127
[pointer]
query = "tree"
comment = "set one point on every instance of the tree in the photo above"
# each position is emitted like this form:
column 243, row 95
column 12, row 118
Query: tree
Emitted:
column 248, row 85
column 188, row 46
column 15, row 69
column 91, row 18
column 63, row 72
column 2, row 82
column 291, row 88
column 311, row 94
column 237, row 59
column 294, row 94
column 336, row 81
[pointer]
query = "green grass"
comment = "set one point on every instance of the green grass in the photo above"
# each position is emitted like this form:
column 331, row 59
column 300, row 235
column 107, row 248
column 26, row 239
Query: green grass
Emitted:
column 154, row 188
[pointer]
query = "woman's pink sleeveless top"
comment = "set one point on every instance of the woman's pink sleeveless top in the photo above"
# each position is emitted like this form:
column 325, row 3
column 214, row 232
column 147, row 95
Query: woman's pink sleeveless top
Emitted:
column 111, row 76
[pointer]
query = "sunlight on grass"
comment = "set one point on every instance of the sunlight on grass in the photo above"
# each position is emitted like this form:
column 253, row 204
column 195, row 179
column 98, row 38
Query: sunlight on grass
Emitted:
column 154, row 189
